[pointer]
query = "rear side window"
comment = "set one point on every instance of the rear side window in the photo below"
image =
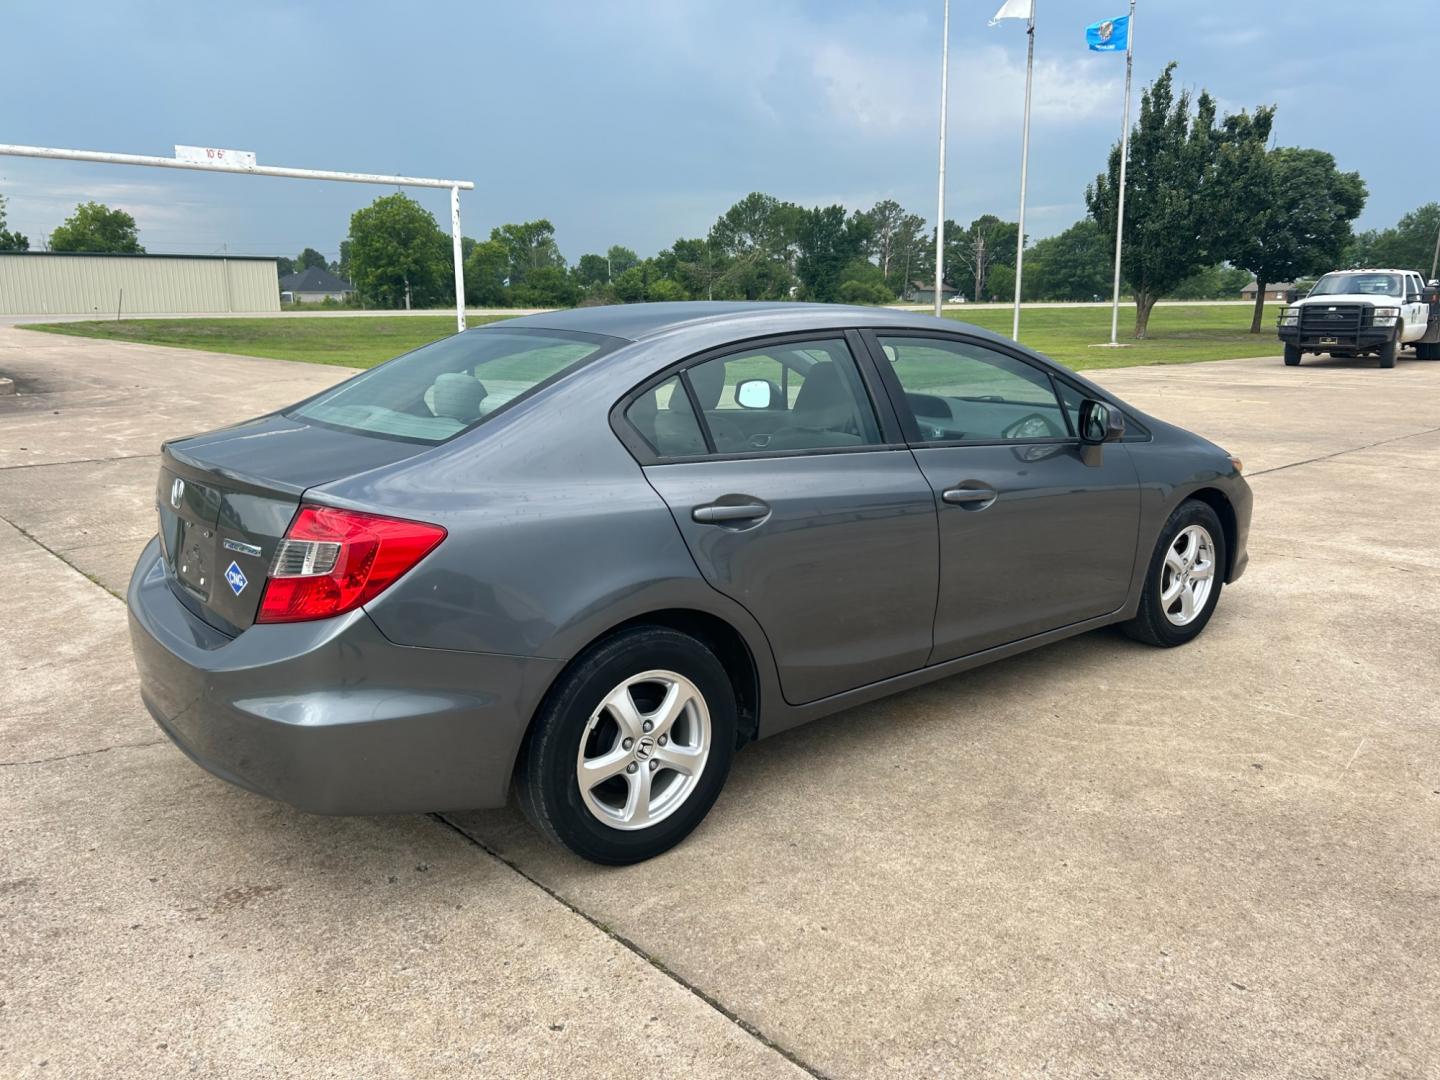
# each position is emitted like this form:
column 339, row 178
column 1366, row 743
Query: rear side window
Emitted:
column 802, row 395
column 441, row 389
column 666, row 421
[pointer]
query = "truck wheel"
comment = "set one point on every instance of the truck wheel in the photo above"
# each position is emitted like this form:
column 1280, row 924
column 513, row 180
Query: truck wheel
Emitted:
column 1292, row 355
column 1427, row 350
column 1388, row 351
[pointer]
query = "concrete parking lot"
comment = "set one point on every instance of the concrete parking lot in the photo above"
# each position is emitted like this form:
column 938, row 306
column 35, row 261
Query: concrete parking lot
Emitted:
column 1097, row 859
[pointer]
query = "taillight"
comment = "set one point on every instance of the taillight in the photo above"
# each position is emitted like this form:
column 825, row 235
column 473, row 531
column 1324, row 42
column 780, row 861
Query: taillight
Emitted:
column 332, row 561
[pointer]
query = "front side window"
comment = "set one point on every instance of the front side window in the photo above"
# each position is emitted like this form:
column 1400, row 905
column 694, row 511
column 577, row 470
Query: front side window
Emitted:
column 804, row 395
column 959, row 391
column 443, row 388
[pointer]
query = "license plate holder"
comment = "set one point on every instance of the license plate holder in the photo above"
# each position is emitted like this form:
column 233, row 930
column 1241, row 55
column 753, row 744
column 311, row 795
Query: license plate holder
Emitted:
column 1329, row 341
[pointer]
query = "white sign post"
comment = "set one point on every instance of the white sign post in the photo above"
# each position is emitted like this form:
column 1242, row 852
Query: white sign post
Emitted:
column 215, row 159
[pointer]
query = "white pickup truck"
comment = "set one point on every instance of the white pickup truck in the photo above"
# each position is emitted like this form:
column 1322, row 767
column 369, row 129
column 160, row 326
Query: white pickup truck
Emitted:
column 1358, row 312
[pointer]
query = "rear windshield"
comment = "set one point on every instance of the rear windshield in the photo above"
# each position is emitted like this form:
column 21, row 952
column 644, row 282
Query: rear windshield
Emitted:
column 1365, row 284
column 439, row 390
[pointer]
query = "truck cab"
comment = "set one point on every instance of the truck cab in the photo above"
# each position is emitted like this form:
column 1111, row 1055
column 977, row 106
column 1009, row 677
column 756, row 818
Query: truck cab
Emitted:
column 1361, row 312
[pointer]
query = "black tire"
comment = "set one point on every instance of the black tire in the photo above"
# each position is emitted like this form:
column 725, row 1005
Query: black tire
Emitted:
column 1427, row 350
column 1150, row 623
column 1292, row 355
column 547, row 788
column 1388, row 351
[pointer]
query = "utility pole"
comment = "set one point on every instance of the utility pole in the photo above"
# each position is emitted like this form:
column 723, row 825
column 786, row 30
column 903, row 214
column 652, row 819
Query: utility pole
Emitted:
column 1124, row 160
column 940, row 216
column 1024, row 169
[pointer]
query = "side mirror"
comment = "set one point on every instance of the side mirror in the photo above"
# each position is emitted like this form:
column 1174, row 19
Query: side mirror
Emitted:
column 754, row 394
column 1413, row 298
column 1099, row 423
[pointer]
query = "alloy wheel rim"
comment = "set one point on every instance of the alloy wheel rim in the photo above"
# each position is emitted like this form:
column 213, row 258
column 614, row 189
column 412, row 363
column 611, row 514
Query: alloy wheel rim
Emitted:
column 1187, row 576
column 643, row 750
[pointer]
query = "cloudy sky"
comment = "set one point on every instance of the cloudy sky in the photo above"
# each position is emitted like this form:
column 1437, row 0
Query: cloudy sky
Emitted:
column 639, row 122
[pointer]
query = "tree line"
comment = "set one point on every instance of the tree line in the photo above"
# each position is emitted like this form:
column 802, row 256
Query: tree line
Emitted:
column 1210, row 204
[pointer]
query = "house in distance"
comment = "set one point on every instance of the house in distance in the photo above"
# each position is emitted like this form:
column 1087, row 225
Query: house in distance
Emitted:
column 314, row 286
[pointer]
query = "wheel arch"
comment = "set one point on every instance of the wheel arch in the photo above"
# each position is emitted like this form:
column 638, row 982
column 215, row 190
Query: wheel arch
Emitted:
column 1218, row 501
column 715, row 633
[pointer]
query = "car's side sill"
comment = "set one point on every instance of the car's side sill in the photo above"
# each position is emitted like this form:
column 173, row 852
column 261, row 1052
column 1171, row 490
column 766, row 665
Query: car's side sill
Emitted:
column 779, row 717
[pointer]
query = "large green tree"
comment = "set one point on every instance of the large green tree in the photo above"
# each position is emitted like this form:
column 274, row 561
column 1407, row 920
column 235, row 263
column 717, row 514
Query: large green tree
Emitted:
column 311, row 258
column 620, row 259
column 1078, row 265
column 486, row 269
column 531, row 247
column 1170, row 210
column 397, row 253
column 10, row 241
column 95, row 227
column 754, row 240
column 971, row 253
column 1300, row 220
column 693, row 265
column 592, row 270
column 1409, row 245
column 827, row 241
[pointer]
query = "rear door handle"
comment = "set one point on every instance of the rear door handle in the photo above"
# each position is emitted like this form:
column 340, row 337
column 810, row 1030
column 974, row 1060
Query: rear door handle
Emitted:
column 719, row 513
column 976, row 498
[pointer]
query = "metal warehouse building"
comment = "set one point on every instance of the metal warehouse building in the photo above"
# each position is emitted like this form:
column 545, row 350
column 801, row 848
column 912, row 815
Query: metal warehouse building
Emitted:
column 55, row 283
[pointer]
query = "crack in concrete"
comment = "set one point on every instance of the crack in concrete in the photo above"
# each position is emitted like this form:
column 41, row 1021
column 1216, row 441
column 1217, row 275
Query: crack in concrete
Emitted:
column 76, row 461
column 82, row 753
column 1347, row 450
column 739, row 1021
column 49, row 550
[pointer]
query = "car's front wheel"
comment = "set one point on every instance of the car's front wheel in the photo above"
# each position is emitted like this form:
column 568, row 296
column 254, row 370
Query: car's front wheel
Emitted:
column 1292, row 355
column 631, row 748
column 1183, row 583
column 1389, row 351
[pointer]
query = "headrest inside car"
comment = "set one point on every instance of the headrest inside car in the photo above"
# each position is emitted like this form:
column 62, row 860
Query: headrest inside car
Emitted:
column 457, row 396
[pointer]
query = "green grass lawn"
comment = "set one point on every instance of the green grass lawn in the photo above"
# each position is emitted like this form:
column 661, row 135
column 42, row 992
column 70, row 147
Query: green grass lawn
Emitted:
column 1178, row 335
column 353, row 341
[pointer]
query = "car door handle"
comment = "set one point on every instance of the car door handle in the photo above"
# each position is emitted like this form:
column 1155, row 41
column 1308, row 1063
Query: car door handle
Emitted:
column 719, row 513
column 976, row 497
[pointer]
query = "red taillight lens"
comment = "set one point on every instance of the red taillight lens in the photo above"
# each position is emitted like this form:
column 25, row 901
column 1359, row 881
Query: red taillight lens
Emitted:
column 332, row 561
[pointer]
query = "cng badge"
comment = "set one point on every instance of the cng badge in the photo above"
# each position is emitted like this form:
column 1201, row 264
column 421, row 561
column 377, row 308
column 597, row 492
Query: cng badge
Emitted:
column 237, row 579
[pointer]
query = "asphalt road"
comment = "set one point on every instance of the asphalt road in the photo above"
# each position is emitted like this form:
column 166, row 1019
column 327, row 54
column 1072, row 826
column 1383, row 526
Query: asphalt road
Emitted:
column 1098, row 859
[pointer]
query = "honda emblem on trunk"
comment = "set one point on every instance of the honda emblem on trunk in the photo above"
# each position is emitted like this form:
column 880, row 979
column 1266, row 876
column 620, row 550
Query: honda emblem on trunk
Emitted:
column 177, row 493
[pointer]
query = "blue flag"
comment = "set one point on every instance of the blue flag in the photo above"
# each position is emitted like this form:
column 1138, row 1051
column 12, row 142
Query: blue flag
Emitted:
column 1112, row 35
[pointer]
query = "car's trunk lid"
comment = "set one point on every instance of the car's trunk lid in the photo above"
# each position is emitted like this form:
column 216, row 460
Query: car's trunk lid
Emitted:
column 226, row 498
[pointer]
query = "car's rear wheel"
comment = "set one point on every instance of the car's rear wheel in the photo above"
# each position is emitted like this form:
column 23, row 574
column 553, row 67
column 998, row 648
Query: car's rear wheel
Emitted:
column 631, row 748
column 1292, row 355
column 1388, row 352
column 1183, row 582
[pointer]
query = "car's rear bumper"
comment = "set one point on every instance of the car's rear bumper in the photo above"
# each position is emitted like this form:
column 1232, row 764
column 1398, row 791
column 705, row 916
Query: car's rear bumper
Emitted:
column 330, row 716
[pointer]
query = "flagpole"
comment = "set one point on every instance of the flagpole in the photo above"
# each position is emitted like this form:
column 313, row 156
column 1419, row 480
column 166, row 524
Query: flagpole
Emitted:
column 1024, row 169
column 940, row 217
column 1124, row 160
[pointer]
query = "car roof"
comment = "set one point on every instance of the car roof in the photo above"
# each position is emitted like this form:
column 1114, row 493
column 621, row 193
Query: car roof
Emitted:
column 635, row 322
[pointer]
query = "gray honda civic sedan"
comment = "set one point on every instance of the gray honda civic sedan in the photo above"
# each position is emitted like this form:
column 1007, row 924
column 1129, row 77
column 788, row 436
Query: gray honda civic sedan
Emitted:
column 590, row 554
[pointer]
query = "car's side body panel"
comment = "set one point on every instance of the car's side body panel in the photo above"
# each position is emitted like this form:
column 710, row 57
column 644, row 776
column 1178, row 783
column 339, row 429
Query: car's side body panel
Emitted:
column 1055, row 547
column 842, row 569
